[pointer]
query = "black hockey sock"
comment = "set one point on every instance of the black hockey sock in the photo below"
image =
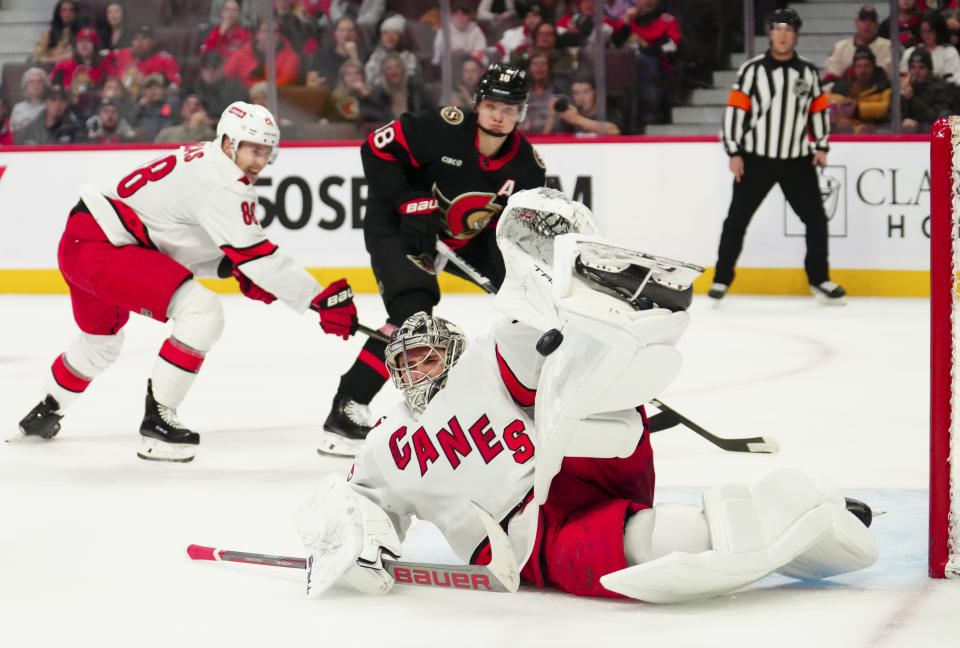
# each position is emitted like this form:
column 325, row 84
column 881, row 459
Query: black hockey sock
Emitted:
column 367, row 375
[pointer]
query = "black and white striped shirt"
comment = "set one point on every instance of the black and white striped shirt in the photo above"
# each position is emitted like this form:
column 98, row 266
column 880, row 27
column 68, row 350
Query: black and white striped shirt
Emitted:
column 770, row 106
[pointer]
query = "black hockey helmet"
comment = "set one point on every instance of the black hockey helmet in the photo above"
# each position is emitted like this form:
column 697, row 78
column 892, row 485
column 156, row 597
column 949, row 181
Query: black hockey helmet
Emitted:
column 785, row 16
column 502, row 82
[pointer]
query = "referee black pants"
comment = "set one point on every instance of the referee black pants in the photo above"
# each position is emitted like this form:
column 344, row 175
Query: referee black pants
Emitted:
column 798, row 180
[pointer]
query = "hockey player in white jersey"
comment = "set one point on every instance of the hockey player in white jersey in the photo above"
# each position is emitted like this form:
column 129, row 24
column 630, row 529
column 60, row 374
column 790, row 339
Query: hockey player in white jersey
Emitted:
column 536, row 423
column 137, row 246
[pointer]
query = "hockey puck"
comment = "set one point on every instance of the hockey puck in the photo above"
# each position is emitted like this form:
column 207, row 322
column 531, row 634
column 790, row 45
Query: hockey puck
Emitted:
column 549, row 342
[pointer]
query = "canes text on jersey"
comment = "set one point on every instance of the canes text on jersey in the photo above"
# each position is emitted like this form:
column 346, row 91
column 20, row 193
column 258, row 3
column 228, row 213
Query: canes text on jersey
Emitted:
column 454, row 443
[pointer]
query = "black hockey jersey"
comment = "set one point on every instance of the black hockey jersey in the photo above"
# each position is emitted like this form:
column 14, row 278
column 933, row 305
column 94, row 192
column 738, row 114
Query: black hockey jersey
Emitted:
column 429, row 161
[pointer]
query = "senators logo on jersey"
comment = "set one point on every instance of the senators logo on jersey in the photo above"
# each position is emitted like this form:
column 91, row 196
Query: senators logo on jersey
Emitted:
column 468, row 213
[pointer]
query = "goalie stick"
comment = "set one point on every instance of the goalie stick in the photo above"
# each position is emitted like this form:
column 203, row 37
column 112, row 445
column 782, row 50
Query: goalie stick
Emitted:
column 669, row 417
column 501, row 575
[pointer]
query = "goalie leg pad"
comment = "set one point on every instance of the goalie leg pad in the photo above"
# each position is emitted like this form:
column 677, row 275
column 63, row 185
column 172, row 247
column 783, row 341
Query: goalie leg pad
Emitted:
column 345, row 535
column 753, row 531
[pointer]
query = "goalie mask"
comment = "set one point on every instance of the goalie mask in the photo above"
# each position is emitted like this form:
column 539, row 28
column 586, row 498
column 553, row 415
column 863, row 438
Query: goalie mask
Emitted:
column 420, row 356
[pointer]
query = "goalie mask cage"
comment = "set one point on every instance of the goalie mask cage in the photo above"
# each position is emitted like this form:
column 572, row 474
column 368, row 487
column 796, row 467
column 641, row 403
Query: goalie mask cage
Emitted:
column 944, row 558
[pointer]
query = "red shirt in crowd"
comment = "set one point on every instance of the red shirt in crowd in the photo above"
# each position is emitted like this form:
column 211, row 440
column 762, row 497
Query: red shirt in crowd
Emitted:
column 159, row 61
column 245, row 66
column 226, row 44
column 80, row 76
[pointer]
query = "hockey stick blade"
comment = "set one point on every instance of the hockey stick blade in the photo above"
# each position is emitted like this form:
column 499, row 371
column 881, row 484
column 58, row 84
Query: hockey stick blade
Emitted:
column 759, row 445
column 501, row 575
column 444, row 250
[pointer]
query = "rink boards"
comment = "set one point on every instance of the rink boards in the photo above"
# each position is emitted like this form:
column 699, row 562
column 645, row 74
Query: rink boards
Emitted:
column 663, row 195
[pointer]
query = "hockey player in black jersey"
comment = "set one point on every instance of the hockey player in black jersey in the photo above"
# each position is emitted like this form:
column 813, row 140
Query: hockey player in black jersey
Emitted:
column 444, row 174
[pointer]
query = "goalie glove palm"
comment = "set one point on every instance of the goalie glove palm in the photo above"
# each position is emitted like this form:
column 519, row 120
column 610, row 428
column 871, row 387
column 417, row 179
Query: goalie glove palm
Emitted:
column 338, row 313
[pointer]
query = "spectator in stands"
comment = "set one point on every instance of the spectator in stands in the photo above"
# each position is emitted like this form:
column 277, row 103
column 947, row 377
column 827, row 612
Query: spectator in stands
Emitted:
column 296, row 27
column 142, row 58
column 33, row 85
column 56, row 43
column 908, row 18
column 325, row 65
column 56, row 123
column 562, row 61
column 616, row 10
column 391, row 42
column 935, row 38
column 953, row 24
column 230, row 35
column 542, row 92
column 108, row 126
column 465, row 34
column 397, row 93
column 577, row 29
column 114, row 33
column 249, row 12
column 363, row 12
column 519, row 38
column 6, row 135
column 464, row 92
column 861, row 102
column 840, row 61
column 87, row 70
column 215, row 90
column 923, row 96
column 113, row 88
column 581, row 115
column 656, row 35
column 493, row 11
column 249, row 63
column 195, row 127
column 350, row 100
column 155, row 109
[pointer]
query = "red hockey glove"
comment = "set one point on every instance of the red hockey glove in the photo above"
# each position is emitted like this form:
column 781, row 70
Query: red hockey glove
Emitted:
column 338, row 314
column 252, row 290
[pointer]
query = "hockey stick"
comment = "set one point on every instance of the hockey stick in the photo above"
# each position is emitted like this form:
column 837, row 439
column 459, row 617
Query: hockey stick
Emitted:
column 669, row 417
column 444, row 251
column 501, row 575
column 376, row 334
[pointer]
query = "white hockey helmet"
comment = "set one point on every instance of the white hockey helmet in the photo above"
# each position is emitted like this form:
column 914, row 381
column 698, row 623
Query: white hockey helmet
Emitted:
column 246, row 122
column 420, row 355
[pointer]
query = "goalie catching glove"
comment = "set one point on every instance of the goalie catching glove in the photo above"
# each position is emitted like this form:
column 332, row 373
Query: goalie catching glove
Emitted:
column 338, row 314
column 346, row 536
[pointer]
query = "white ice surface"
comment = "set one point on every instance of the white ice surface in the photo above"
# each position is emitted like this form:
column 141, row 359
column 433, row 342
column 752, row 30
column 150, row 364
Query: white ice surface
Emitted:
column 92, row 539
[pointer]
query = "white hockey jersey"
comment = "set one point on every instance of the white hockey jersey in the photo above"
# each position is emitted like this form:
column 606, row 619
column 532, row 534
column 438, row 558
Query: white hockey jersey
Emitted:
column 472, row 442
column 196, row 206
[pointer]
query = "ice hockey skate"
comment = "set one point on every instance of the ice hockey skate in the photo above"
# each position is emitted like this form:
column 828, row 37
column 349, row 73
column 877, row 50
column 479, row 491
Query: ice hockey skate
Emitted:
column 43, row 421
column 829, row 293
column 718, row 291
column 163, row 437
column 346, row 427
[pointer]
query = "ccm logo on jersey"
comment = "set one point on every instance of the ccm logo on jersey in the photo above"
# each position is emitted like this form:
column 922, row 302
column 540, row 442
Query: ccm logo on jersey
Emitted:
column 451, row 161
column 454, row 444
column 424, row 206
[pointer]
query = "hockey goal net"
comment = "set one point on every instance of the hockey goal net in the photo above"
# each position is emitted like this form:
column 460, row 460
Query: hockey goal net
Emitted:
column 944, row 558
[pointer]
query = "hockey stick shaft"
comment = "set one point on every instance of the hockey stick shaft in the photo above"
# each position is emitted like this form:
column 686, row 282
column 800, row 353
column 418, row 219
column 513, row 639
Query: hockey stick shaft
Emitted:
column 475, row 577
column 475, row 275
column 752, row 444
column 377, row 335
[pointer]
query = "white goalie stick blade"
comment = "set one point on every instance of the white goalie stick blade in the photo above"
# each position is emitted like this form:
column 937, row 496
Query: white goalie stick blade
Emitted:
column 501, row 575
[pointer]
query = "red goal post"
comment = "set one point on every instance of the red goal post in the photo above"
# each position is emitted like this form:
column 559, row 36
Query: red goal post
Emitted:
column 944, row 556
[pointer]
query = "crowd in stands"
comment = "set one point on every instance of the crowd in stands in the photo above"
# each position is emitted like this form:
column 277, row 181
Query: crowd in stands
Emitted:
column 163, row 70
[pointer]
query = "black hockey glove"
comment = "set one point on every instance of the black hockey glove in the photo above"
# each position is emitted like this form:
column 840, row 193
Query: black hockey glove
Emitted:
column 422, row 230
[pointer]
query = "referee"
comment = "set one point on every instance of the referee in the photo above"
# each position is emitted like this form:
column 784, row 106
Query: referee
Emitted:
column 776, row 96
